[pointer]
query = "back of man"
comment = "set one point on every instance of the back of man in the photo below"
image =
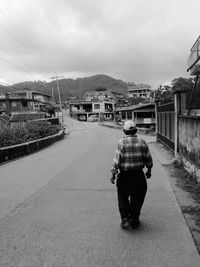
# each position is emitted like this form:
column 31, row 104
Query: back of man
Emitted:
column 131, row 156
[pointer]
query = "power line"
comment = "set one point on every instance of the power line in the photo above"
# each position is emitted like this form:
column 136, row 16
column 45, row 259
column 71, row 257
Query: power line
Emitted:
column 27, row 41
column 19, row 41
column 8, row 86
column 8, row 62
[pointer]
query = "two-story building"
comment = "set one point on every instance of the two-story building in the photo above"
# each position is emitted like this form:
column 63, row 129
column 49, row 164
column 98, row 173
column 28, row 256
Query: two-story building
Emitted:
column 103, row 95
column 84, row 109
column 100, row 103
column 139, row 90
column 26, row 102
column 9, row 104
column 39, row 100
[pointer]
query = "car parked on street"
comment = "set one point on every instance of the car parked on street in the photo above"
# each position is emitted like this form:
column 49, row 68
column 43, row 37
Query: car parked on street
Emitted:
column 93, row 118
column 82, row 118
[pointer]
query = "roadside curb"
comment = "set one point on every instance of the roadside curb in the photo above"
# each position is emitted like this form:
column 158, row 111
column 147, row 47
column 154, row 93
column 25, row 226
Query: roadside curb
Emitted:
column 162, row 154
column 111, row 126
column 140, row 130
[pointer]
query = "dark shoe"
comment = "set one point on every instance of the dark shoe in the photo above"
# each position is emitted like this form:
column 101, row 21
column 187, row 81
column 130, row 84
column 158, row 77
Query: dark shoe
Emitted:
column 125, row 224
column 135, row 224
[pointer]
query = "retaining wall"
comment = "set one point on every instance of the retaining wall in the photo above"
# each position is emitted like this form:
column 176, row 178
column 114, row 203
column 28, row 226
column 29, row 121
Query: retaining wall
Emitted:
column 12, row 152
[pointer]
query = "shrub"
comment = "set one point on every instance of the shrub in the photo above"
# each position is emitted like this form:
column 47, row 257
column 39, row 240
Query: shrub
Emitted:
column 29, row 132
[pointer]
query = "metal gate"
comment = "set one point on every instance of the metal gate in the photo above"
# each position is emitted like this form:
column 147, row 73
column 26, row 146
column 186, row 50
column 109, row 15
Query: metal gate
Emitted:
column 166, row 124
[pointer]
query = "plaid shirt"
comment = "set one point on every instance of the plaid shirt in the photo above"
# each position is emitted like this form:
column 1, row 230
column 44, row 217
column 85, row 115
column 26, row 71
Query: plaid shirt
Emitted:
column 132, row 154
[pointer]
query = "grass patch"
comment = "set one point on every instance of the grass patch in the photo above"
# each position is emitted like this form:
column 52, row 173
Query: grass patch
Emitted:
column 186, row 181
column 191, row 189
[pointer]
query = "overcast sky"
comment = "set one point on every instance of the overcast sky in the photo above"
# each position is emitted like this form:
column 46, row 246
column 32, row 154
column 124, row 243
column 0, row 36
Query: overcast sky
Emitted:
column 145, row 41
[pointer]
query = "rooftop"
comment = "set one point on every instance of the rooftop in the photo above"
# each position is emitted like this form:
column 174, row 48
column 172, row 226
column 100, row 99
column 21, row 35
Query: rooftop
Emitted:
column 139, row 106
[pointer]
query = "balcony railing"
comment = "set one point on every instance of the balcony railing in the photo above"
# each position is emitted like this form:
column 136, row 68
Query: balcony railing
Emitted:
column 145, row 120
column 81, row 111
column 194, row 58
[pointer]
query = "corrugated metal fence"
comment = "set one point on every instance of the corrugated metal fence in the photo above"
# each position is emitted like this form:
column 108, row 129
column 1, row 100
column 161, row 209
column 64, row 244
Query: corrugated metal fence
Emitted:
column 166, row 124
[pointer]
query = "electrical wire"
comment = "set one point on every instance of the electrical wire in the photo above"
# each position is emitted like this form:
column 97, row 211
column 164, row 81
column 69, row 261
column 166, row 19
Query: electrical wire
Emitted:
column 10, row 63
column 5, row 86
column 27, row 41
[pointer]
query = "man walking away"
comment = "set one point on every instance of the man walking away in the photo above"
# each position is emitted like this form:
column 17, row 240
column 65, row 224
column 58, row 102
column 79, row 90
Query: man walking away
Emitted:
column 131, row 156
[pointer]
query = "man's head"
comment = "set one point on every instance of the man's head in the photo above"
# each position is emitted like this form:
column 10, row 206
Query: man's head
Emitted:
column 129, row 127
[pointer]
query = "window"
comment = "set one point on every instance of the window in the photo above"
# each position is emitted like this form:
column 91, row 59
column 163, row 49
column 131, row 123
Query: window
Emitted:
column 14, row 104
column 123, row 115
column 101, row 96
column 24, row 103
column 96, row 106
column 129, row 115
column 29, row 95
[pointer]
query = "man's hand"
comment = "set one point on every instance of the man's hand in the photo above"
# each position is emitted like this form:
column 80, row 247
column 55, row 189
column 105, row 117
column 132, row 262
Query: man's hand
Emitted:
column 112, row 179
column 148, row 173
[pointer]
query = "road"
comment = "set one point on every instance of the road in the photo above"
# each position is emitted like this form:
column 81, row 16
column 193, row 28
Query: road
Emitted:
column 57, row 208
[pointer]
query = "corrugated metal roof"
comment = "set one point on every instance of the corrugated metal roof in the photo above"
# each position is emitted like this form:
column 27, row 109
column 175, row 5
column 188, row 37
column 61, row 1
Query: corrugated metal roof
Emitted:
column 133, row 107
column 32, row 91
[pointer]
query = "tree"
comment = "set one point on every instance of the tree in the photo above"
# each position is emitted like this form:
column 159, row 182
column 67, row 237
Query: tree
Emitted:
column 182, row 84
column 186, row 85
column 137, row 100
column 163, row 94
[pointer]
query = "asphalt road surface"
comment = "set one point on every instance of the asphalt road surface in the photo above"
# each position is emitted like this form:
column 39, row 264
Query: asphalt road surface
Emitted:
column 58, row 208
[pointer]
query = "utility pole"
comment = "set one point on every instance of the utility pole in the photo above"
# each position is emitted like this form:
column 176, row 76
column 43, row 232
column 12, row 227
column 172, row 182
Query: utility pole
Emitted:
column 52, row 94
column 56, row 78
column 80, row 89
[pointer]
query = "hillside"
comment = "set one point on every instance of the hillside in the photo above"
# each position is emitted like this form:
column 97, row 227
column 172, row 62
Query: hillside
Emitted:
column 71, row 87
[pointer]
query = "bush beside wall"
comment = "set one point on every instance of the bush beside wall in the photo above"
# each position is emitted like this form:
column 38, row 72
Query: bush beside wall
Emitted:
column 12, row 152
column 24, row 133
column 20, row 141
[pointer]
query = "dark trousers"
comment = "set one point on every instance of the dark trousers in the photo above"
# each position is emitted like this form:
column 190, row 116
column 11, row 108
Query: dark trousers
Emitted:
column 131, row 189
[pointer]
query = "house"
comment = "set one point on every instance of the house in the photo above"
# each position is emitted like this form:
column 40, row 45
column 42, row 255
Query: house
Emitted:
column 25, row 100
column 103, row 94
column 25, row 105
column 100, row 102
column 193, row 60
column 84, row 109
column 142, row 114
column 9, row 104
column 42, row 100
column 14, row 110
column 139, row 90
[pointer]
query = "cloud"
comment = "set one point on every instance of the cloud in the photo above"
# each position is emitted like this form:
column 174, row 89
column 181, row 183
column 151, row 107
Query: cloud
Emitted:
column 140, row 40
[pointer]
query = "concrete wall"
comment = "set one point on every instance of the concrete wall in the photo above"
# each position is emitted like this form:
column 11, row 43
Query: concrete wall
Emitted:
column 101, row 106
column 189, row 143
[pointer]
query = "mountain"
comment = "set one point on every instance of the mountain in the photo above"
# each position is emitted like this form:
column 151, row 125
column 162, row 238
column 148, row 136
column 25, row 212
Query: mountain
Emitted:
column 71, row 87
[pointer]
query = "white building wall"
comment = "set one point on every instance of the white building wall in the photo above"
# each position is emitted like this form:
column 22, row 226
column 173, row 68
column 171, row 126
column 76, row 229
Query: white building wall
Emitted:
column 98, row 107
